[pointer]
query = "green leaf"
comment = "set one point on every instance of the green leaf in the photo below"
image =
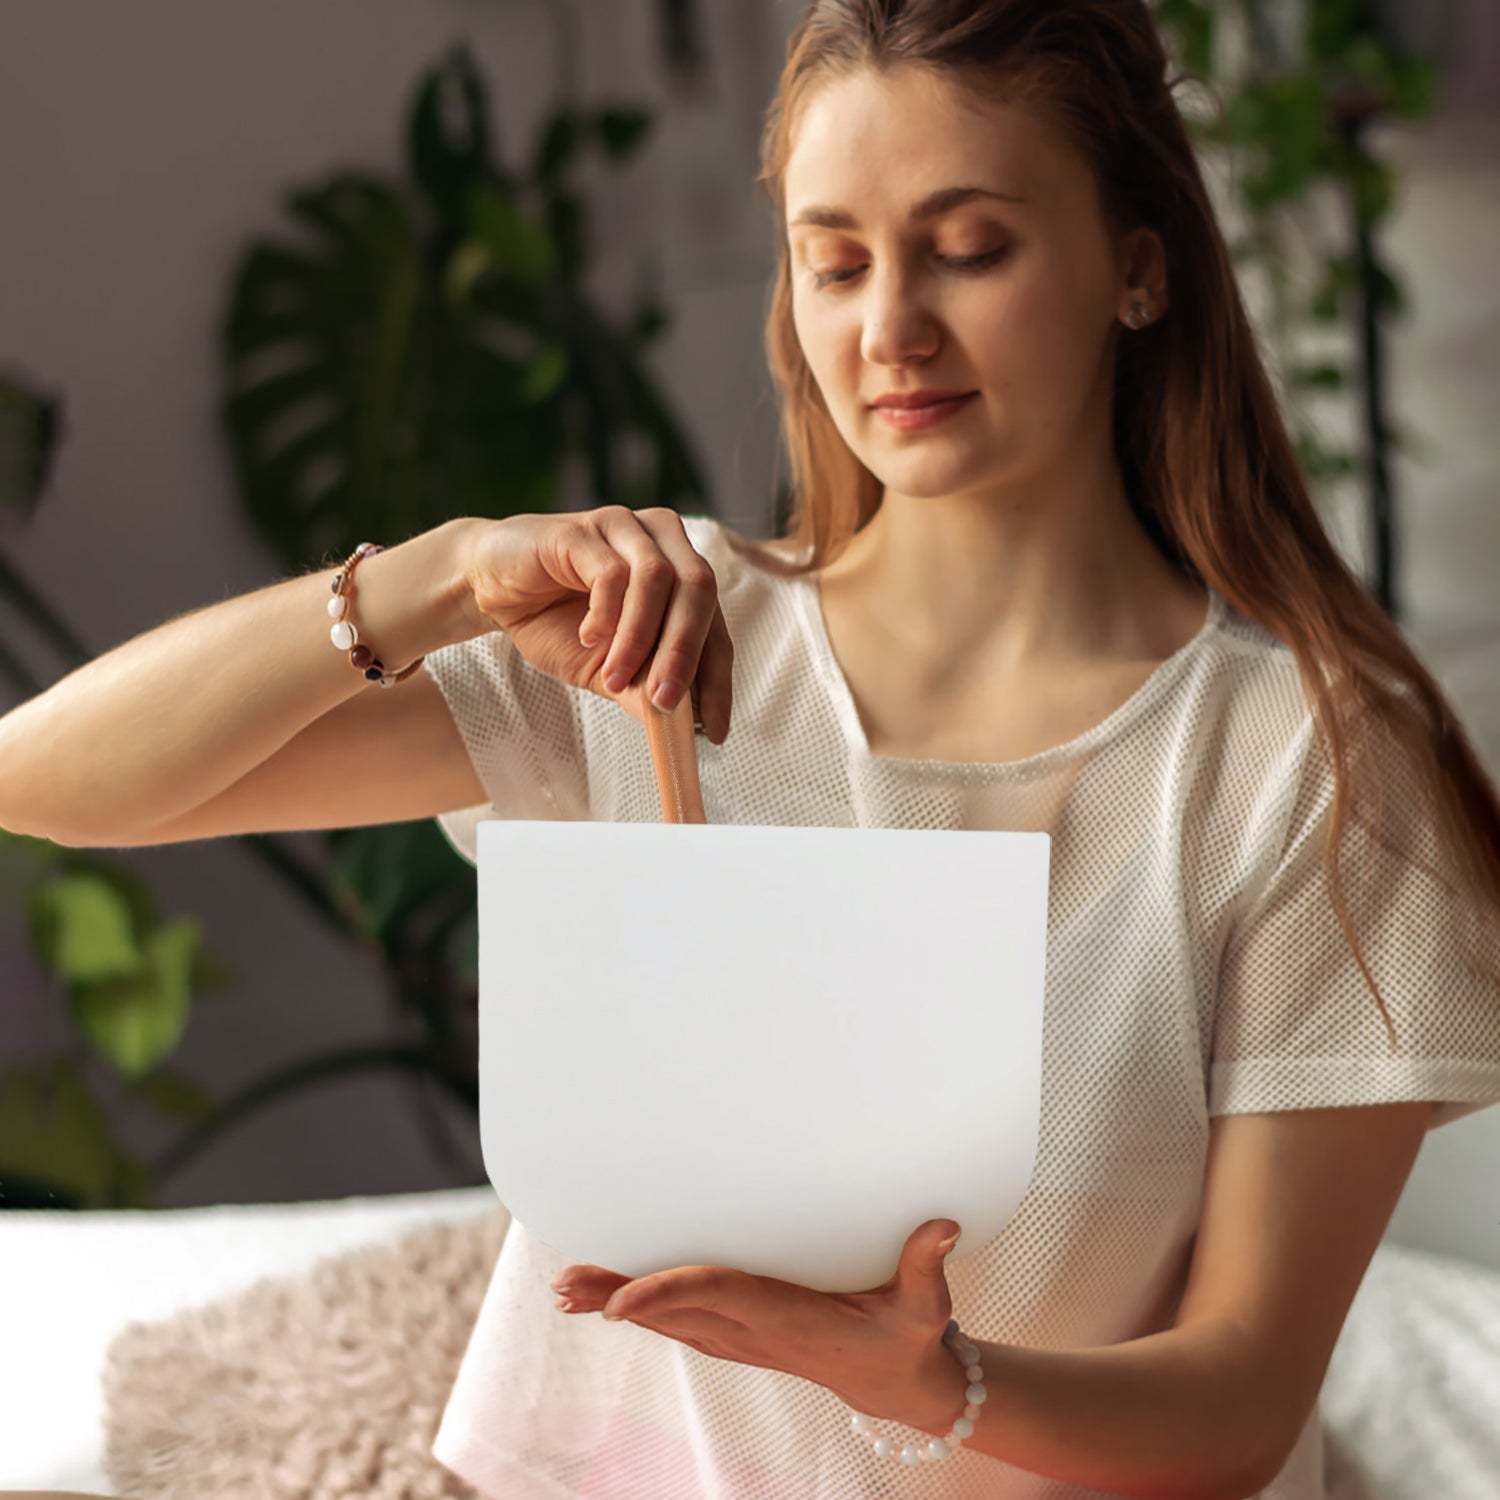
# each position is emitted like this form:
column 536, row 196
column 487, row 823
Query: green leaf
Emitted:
column 1319, row 462
column 649, row 321
column 468, row 264
column 133, row 1186
column 1326, row 304
column 24, row 845
column 53, row 1130
column 1419, row 447
column 1322, row 377
column 567, row 223
column 1332, row 27
column 520, row 247
column 368, row 391
column 341, row 333
column 557, row 148
column 389, row 872
column 138, row 1021
column 1193, row 24
column 1244, row 116
column 621, row 129
column 129, row 885
column 1414, row 86
column 546, row 374
column 1366, row 61
column 448, row 138
column 463, row 947
column 83, row 930
column 1389, row 297
column 25, row 861
column 1290, row 131
column 1374, row 187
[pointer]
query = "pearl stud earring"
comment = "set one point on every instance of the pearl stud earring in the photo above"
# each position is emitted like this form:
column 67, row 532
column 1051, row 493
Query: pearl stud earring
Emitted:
column 1139, row 315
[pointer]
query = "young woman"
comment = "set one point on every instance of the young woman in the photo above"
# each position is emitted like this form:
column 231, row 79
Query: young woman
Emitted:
column 1080, row 586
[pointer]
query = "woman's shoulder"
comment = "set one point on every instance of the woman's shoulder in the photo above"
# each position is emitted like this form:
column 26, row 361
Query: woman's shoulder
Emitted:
column 1238, row 632
column 1257, row 675
column 743, row 580
column 713, row 534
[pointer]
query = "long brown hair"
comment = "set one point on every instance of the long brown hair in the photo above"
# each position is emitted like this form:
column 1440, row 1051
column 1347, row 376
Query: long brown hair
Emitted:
column 1203, row 451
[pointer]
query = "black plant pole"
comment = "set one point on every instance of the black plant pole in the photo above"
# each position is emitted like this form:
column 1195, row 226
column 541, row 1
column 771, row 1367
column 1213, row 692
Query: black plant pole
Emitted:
column 681, row 44
column 1352, row 113
column 18, row 592
column 362, row 1058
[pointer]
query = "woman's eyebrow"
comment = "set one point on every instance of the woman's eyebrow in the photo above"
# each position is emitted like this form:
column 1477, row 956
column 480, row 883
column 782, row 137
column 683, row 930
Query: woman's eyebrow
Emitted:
column 940, row 202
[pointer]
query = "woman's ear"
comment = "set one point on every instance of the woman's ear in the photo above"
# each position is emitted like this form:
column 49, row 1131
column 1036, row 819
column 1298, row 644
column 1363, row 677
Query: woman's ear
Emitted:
column 1144, row 273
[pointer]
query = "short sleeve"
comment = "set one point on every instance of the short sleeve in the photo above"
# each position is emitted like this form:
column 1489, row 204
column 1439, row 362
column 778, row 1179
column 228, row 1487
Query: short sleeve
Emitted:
column 1295, row 1024
column 523, row 730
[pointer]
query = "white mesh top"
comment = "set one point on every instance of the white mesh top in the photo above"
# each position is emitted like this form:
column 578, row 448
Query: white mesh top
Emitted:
column 1195, row 967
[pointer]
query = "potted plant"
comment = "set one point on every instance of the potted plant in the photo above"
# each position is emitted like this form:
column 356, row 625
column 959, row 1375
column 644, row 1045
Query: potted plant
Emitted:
column 426, row 349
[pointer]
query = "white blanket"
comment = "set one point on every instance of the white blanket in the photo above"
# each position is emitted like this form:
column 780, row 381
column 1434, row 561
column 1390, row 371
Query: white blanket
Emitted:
column 1413, row 1391
column 70, row 1281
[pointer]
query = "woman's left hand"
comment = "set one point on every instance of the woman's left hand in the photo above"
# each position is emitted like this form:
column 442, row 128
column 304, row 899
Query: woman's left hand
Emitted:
column 878, row 1351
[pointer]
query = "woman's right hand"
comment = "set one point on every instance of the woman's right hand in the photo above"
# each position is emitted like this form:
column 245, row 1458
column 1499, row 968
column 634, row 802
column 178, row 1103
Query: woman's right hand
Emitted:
column 632, row 582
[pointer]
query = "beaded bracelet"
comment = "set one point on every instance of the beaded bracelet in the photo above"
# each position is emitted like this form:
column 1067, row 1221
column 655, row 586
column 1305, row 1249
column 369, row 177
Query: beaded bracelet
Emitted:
column 345, row 634
column 967, row 1354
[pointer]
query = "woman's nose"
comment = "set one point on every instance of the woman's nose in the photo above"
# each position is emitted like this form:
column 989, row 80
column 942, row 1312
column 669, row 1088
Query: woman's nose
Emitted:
column 897, row 326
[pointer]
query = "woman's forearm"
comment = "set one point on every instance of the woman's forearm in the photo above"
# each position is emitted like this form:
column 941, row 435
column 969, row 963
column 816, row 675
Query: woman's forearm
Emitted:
column 158, row 725
column 1173, row 1414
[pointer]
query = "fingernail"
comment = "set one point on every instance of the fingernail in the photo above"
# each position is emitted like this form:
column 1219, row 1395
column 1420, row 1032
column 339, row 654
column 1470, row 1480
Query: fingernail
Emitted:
column 617, row 681
column 948, row 1244
column 666, row 695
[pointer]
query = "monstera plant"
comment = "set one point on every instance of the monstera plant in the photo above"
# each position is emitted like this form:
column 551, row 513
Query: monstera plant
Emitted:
column 435, row 352
column 423, row 348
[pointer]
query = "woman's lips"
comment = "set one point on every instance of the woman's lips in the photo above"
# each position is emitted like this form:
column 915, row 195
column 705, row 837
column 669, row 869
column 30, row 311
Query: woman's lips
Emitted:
column 917, row 417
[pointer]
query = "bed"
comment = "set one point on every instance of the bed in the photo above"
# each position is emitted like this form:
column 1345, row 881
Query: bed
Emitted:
column 70, row 1281
column 1411, row 1402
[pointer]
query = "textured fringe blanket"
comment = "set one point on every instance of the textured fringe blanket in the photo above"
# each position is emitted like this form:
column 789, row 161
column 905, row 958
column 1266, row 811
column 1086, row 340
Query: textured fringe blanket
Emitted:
column 326, row 1384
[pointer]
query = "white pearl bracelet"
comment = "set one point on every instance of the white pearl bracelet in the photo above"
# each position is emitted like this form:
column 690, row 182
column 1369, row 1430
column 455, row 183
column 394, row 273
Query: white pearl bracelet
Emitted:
column 967, row 1355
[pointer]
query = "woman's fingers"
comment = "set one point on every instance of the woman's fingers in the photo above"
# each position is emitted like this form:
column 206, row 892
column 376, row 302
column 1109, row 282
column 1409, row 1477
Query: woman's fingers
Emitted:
column 613, row 600
column 669, row 614
column 716, row 678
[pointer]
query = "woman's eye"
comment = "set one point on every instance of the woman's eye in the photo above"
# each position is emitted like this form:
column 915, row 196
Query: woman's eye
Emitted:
column 958, row 262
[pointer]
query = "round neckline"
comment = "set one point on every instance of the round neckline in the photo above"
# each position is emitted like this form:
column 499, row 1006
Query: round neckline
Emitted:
column 858, row 745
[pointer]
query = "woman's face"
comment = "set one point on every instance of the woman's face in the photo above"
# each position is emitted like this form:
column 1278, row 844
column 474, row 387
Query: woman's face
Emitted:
column 886, row 302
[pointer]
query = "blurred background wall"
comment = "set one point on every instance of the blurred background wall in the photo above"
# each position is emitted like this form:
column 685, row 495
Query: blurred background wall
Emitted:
column 141, row 146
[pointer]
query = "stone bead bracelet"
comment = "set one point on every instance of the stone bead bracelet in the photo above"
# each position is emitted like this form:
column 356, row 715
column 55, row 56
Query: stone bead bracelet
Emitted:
column 967, row 1355
column 345, row 634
